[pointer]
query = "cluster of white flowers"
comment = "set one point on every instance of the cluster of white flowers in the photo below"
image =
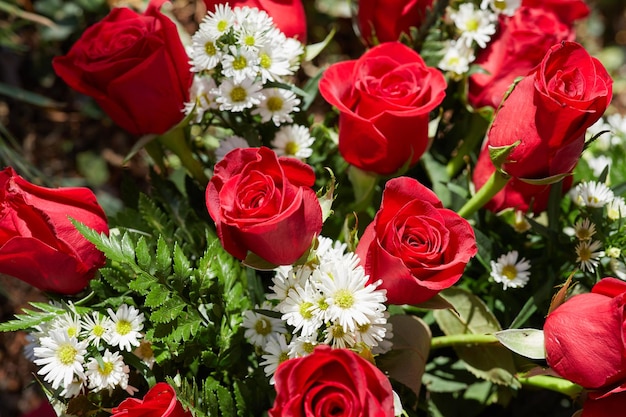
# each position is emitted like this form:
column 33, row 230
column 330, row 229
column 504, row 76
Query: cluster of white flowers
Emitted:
column 327, row 301
column 610, row 136
column 509, row 271
column 77, row 351
column 475, row 27
column 243, row 63
column 596, row 194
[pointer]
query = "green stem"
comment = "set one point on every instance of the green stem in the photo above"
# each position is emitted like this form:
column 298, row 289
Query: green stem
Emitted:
column 462, row 340
column 175, row 141
column 495, row 183
column 551, row 383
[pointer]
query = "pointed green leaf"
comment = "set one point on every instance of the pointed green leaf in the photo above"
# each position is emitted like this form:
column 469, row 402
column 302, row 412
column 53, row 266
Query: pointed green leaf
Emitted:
column 499, row 154
column 525, row 342
column 163, row 256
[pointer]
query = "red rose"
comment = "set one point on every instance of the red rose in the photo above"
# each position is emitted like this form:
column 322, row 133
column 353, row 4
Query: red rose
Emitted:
column 599, row 404
column 567, row 10
column 331, row 382
column 385, row 20
column 549, row 111
column 38, row 242
column 414, row 245
column 288, row 15
column 520, row 44
column 264, row 204
column 584, row 336
column 160, row 401
column 384, row 99
column 516, row 194
column 134, row 66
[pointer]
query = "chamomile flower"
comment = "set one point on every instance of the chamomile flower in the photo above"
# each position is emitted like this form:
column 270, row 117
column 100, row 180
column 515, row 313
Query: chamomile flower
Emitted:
column 127, row 323
column 616, row 208
column 251, row 34
column 240, row 64
column 277, row 105
column 588, row 254
column 107, row 373
column 351, row 302
column 145, row 353
column 96, row 327
column 336, row 336
column 236, row 97
column 510, row 272
column 205, row 52
column 201, row 97
column 61, row 358
column 277, row 352
column 74, row 388
column 302, row 346
column 286, row 279
column 457, row 58
column 274, row 63
column 218, row 22
column 584, row 229
column 228, row 144
column 68, row 322
column 259, row 327
column 297, row 309
column 591, row 194
column 294, row 141
column 474, row 24
column 505, row 7
column 373, row 332
column 294, row 50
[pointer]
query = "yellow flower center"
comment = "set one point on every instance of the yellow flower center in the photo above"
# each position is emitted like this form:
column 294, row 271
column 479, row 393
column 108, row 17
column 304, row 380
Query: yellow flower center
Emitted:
column 123, row 327
column 584, row 254
column 106, row 368
column 274, row 104
column 510, row 272
column 344, row 299
column 222, row 25
column 239, row 63
column 500, row 4
column 263, row 327
column 472, row 25
column 291, row 148
column 210, row 48
column 266, row 61
column 249, row 40
column 67, row 354
column 98, row 330
column 305, row 310
column 238, row 94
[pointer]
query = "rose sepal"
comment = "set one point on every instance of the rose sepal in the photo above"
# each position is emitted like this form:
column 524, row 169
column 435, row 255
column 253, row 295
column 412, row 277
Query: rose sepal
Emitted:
column 500, row 154
column 545, row 181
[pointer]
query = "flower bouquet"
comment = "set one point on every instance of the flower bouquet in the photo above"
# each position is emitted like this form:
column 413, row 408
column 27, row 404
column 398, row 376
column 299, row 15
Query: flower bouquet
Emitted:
column 431, row 226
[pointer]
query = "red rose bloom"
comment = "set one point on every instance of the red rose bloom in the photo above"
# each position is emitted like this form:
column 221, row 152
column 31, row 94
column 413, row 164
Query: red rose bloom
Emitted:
column 331, row 382
column 567, row 10
column 134, row 66
column 264, row 204
column 160, row 401
column 386, row 20
column 288, row 15
column 520, row 44
column 415, row 245
column 384, row 99
column 38, row 242
column 516, row 194
column 549, row 111
column 585, row 341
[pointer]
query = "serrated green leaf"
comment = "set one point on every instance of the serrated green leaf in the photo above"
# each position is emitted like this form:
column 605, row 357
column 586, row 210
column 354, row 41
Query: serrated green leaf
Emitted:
column 142, row 252
column 142, row 283
column 182, row 266
column 127, row 247
column 157, row 296
column 29, row 320
column 168, row 311
column 163, row 257
column 156, row 218
column 115, row 279
column 227, row 405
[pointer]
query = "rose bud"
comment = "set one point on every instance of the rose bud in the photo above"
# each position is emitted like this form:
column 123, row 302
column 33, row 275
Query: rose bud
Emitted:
column 386, row 20
column 160, row 401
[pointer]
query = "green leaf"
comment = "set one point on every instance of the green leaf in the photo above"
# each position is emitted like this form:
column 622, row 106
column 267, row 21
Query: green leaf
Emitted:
column 115, row 279
column 491, row 362
column 163, row 257
column 227, row 405
column 313, row 50
column 525, row 342
column 142, row 252
column 168, row 311
column 499, row 154
column 182, row 266
column 411, row 345
column 157, row 296
column 29, row 320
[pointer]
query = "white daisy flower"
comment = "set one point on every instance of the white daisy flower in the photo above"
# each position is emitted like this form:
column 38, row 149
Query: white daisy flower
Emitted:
column 61, row 357
column 96, row 327
column 336, row 336
column 618, row 268
column 373, row 332
column 474, row 24
column 219, row 22
column 510, row 272
column 127, row 323
column 520, row 223
column 228, row 144
column 505, row 7
column 294, row 141
column 286, row 279
column 236, row 97
column 351, row 302
column 298, row 311
column 68, row 322
column 251, row 34
column 294, row 51
column 274, row 63
column 591, row 194
column 107, row 373
column 597, row 163
column 145, row 353
column 457, row 58
column 205, row 52
column 259, row 327
column 302, row 346
column 616, row 208
column 74, row 389
column 277, row 105
column 277, row 352
column 201, row 97
column 240, row 65
column 584, row 229
column 588, row 255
